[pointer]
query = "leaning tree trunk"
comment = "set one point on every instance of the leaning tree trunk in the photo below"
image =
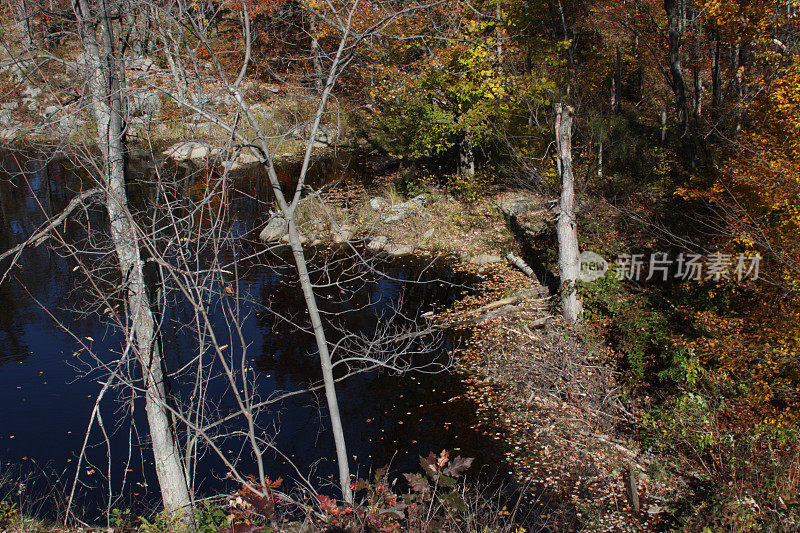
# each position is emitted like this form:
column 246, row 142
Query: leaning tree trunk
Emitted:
column 104, row 88
column 326, row 364
column 567, row 228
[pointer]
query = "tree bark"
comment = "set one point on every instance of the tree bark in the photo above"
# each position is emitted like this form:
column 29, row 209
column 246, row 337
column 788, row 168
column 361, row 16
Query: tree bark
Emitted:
column 27, row 34
column 697, row 110
column 316, row 54
column 617, row 88
column 326, row 363
column 716, row 81
column 466, row 158
column 104, row 87
column 566, row 227
column 675, row 32
column 738, row 68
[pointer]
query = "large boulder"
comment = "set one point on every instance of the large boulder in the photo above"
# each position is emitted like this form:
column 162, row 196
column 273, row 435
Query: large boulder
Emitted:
column 188, row 151
column 142, row 63
column 344, row 233
column 521, row 204
column 397, row 250
column 51, row 110
column 243, row 159
column 325, row 136
column 528, row 211
column 378, row 243
column 302, row 238
column 32, row 92
column 485, row 259
column 274, row 231
column 379, row 203
column 67, row 124
column 82, row 63
column 400, row 212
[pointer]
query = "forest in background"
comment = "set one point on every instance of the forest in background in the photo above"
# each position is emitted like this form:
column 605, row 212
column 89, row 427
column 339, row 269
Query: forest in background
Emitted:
column 685, row 139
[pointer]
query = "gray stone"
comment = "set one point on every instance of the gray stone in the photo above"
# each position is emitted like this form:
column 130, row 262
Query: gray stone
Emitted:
column 5, row 117
column 654, row 509
column 31, row 104
column 274, row 230
column 486, row 259
column 397, row 250
column 344, row 233
column 378, row 203
column 142, row 63
column 325, row 135
column 515, row 206
column 534, row 227
column 188, row 150
column 10, row 106
column 243, row 159
column 303, row 239
column 400, row 212
column 378, row 243
column 51, row 111
column 428, row 234
column 32, row 92
column 314, row 240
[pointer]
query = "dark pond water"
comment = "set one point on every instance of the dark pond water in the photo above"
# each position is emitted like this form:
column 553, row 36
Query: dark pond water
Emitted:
column 46, row 400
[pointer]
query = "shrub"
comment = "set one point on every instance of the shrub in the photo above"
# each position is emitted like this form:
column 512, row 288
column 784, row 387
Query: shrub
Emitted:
column 632, row 325
column 8, row 512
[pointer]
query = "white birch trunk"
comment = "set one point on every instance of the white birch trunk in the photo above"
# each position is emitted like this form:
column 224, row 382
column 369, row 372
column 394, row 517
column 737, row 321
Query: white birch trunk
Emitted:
column 107, row 110
column 567, row 228
column 466, row 158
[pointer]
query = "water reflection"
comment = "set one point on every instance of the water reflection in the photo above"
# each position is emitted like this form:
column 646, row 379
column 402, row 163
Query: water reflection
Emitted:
column 46, row 406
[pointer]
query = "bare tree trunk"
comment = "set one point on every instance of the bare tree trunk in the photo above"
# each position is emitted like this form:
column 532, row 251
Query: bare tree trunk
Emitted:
column 106, row 98
column 600, row 159
column 716, row 81
column 466, row 158
column 325, row 359
column 316, row 53
column 25, row 15
column 45, row 29
column 174, row 62
column 674, row 16
column 697, row 92
column 616, row 98
column 697, row 110
column 736, row 64
column 567, row 227
column 499, row 37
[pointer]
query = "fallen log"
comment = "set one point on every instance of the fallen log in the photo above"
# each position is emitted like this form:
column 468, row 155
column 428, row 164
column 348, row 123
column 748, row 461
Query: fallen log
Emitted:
column 538, row 292
column 520, row 264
